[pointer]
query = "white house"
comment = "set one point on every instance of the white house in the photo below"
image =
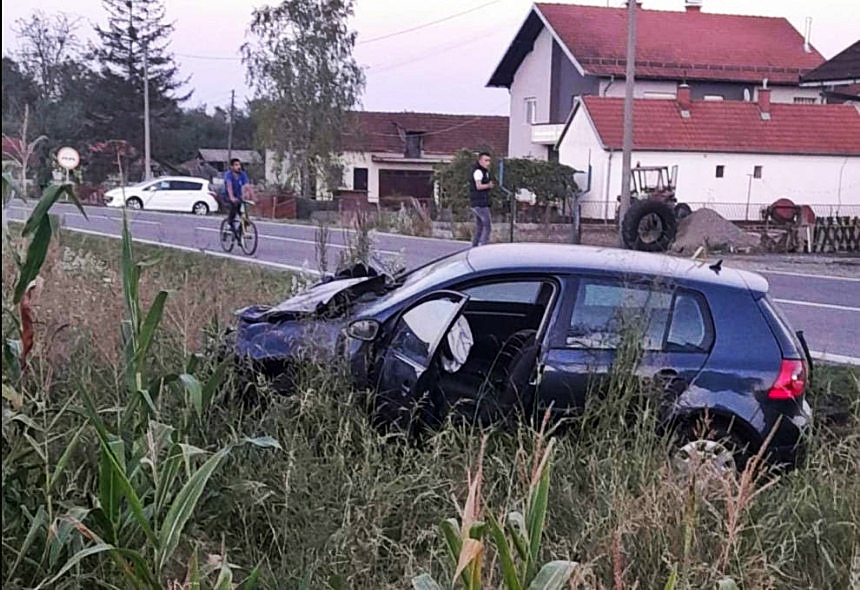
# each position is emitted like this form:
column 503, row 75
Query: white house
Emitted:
column 393, row 154
column 563, row 51
column 732, row 156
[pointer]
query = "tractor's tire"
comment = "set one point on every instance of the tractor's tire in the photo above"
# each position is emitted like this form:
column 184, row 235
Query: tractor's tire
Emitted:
column 649, row 226
column 682, row 210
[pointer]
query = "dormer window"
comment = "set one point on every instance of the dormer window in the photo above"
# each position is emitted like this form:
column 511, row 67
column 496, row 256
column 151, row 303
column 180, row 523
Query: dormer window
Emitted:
column 413, row 144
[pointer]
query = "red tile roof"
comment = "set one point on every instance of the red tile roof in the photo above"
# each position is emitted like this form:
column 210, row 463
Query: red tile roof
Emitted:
column 729, row 126
column 690, row 45
column 442, row 134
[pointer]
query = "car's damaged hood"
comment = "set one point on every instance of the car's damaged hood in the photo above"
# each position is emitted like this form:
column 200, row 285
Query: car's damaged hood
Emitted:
column 316, row 301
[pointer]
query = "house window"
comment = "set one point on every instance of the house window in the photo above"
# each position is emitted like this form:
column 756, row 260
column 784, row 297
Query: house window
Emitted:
column 531, row 111
column 413, row 144
column 804, row 100
column 721, row 171
column 756, row 171
column 359, row 179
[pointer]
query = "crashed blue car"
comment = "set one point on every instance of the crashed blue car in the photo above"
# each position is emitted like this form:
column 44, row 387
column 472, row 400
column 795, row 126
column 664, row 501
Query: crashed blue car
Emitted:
column 518, row 329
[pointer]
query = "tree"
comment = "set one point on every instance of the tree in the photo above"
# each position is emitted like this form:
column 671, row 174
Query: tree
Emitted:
column 19, row 90
column 550, row 182
column 116, row 103
column 48, row 44
column 306, row 80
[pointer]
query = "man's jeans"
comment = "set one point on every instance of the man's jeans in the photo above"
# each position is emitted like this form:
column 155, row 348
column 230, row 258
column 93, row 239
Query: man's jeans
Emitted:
column 482, row 226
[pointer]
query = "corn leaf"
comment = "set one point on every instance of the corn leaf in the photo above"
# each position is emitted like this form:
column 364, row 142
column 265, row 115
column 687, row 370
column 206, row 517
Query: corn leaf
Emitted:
column 554, row 575
column 469, row 554
column 37, row 523
column 451, row 532
column 51, row 195
column 425, row 582
column 252, row 580
column 195, row 391
column 119, row 470
column 516, row 526
column 506, row 558
column 183, row 506
column 64, row 458
column 75, row 560
column 537, row 512
column 194, row 572
column 225, row 577
column 147, row 331
column 37, row 250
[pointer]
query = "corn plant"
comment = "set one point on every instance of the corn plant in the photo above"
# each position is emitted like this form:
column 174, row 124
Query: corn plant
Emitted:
column 517, row 542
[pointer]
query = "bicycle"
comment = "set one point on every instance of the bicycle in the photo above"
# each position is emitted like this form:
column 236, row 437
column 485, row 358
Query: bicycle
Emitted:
column 246, row 233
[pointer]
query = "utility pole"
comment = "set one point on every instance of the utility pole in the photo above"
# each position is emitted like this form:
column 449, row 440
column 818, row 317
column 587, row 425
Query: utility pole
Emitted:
column 147, row 174
column 230, row 128
column 628, row 113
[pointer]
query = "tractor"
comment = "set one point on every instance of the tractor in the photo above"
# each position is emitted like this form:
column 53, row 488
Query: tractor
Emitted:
column 652, row 219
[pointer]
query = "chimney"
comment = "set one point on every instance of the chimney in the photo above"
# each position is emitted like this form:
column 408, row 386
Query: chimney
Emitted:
column 684, row 100
column 693, row 5
column 764, row 101
column 807, row 34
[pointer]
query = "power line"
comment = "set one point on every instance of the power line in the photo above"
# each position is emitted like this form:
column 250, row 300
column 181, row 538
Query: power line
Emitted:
column 432, row 52
column 212, row 57
column 428, row 24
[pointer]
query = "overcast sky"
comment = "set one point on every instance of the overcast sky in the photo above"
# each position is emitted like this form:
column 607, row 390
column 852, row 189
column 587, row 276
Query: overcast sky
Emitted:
column 443, row 67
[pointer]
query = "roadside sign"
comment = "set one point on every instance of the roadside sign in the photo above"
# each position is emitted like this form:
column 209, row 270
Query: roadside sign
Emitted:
column 68, row 158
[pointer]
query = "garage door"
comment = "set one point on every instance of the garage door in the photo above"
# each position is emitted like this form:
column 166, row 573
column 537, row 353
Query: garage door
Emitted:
column 406, row 183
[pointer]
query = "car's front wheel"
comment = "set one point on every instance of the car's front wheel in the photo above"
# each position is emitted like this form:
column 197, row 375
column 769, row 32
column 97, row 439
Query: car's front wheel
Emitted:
column 134, row 203
column 200, row 208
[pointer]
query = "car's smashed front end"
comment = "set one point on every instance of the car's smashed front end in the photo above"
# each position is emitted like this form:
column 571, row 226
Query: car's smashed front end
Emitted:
column 275, row 342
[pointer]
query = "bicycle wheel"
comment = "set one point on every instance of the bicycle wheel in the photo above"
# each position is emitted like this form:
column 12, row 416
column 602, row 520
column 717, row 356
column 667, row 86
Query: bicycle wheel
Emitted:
column 228, row 240
column 248, row 241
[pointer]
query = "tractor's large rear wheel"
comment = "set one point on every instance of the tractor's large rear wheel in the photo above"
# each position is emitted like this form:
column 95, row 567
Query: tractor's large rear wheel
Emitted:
column 649, row 226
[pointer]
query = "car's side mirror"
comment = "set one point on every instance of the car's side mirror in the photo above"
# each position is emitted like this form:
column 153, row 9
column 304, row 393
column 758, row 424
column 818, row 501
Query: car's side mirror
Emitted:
column 366, row 330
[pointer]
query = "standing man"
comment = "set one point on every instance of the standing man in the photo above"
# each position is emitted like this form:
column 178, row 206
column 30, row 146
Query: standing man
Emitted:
column 479, row 199
column 234, row 180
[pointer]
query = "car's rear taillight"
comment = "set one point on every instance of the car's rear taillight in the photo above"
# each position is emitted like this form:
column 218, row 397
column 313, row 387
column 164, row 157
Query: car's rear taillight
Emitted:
column 791, row 381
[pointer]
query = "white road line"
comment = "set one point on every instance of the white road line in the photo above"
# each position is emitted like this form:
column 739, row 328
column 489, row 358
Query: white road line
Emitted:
column 261, row 222
column 808, row 276
column 822, row 305
column 297, row 240
column 199, row 251
column 840, row 359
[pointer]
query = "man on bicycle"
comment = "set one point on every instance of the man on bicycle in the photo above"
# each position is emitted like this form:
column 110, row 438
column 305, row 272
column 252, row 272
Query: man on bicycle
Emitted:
column 234, row 181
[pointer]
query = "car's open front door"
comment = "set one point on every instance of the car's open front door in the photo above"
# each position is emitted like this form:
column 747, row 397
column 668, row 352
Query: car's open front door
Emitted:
column 405, row 381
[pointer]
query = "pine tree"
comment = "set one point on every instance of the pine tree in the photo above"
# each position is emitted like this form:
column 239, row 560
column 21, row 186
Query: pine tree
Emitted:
column 116, row 111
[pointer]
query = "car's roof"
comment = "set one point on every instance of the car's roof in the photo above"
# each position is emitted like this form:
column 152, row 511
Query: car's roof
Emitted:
column 532, row 256
column 160, row 178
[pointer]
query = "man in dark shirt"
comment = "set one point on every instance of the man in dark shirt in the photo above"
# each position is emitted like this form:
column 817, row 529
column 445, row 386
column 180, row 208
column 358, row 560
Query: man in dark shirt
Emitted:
column 234, row 181
column 479, row 199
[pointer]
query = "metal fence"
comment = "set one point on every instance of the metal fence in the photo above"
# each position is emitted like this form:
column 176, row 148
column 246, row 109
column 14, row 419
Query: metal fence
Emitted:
column 733, row 211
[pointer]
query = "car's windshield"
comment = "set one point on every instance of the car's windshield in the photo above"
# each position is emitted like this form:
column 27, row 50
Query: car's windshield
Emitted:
column 437, row 272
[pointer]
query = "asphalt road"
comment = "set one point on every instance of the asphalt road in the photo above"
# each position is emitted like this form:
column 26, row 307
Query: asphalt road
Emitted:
column 826, row 308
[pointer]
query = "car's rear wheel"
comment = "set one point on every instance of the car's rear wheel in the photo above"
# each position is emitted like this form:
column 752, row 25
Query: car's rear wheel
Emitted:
column 200, row 208
column 134, row 203
column 715, row 450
